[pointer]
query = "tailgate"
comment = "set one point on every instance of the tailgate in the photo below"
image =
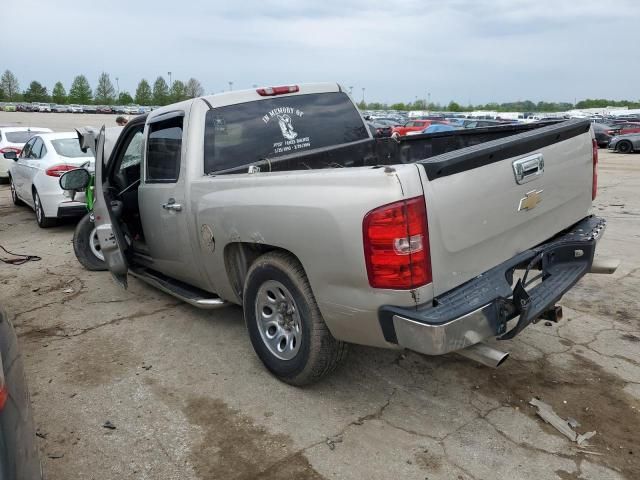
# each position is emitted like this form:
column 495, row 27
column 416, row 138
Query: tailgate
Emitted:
column 480, row 214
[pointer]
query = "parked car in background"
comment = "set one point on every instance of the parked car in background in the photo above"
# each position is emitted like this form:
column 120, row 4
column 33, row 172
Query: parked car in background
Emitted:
column 379, row 130
column 133, row 110
column 40, row 107
column 624, row 128
column 118, row 109
column 19, row 457
column 103, row 109
column 59, row 108
column 12, row 139
column 471, row 123
column 23, row 107
column 436, row 128
column 9, row 107
column 602, row 131
column 89, row 109
column 75, row 108
column 411, row 126
column 625, row 143
column 35, row 173
column 389, row 122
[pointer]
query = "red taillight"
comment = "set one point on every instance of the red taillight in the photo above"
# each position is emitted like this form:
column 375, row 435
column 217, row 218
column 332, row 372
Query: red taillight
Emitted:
column 396, row 245
column 594, row 185
column 58, row 170
column 10, row 149
column 271, row 91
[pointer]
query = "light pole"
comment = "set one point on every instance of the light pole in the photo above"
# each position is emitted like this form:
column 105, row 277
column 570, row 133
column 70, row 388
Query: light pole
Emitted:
column 169, row 73
column 428, row 100
column 230, row 86
column 118, row 86
column 351, row 91
column 363, row 95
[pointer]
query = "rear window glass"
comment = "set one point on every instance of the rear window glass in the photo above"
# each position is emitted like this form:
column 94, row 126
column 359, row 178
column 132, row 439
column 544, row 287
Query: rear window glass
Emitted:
column 20, row 137
column 68, row 147
column 243, row 134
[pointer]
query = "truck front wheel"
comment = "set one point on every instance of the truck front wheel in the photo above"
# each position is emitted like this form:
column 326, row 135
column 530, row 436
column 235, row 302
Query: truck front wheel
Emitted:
column 285, row 325
column 86, row 245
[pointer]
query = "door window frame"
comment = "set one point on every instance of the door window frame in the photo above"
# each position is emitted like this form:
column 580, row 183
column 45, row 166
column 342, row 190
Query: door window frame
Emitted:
column 150, row 122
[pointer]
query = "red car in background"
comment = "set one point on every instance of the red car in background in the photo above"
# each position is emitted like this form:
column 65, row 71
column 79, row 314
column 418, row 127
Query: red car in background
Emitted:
column 412, row 126
column 624, row 128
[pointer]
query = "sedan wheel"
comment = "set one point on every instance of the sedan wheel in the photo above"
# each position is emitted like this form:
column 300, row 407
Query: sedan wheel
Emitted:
column 14, row 195
column 625, row 146
column 43, row 222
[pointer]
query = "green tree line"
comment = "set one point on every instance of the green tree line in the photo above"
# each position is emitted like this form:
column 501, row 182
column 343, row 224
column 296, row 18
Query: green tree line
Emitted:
column 80, row 91
column 520, row 106
column 161, row 93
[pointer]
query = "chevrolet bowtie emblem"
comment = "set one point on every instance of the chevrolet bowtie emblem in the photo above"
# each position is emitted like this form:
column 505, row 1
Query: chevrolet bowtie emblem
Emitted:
column 530, row 200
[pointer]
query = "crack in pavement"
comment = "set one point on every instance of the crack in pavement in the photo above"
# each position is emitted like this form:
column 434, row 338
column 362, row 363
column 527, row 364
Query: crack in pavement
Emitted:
column 58, row 336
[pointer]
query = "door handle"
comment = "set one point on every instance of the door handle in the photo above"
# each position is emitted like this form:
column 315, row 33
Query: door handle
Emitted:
column 172, row 205
column 528, row 168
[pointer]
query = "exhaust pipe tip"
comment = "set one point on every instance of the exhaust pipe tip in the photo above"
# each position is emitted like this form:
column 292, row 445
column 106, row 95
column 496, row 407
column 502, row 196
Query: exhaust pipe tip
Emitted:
column 484, row 354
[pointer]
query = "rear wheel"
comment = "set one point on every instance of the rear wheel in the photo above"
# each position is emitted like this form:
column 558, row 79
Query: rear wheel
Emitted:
column 285, row 325
column 86, row 245
column 624, row 146
column 14, row 195
column 43, row 222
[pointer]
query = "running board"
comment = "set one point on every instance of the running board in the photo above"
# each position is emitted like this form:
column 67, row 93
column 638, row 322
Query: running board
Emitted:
column 183, row 291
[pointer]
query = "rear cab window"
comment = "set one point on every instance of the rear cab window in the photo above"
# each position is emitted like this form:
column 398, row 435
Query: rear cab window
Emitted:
column 240, row 135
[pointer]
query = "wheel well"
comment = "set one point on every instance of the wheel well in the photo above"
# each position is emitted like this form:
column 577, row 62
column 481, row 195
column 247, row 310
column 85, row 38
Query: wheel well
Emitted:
column 238, row 258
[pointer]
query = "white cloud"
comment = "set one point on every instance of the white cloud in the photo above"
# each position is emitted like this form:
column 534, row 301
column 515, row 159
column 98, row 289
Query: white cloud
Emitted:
column 484, row 50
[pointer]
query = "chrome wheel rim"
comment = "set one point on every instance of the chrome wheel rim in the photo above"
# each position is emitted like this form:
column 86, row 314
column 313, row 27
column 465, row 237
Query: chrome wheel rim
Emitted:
column 278, row 320
column 94, row 244
column 36, row 200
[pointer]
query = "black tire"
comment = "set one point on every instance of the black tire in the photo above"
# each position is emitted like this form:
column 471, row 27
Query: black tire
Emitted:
column 624, row 146
column 318, row 353
column 14, row 195
column 82, row 245
column 43, row 222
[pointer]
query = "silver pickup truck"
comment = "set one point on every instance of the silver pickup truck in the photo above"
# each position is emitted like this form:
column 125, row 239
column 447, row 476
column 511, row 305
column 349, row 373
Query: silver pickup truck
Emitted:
column 279, row 199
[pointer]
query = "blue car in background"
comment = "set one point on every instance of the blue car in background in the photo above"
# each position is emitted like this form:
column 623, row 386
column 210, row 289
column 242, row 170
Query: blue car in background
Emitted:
column 439, row 127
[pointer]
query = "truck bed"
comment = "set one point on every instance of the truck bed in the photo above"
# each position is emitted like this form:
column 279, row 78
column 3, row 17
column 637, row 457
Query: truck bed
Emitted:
column 438, row 152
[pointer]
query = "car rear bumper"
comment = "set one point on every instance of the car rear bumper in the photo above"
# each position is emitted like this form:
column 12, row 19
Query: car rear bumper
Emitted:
column 73, row 210
column 56, row 204
column 482, row 307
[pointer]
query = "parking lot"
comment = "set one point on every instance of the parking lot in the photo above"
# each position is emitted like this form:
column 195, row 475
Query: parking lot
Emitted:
column 190, row 400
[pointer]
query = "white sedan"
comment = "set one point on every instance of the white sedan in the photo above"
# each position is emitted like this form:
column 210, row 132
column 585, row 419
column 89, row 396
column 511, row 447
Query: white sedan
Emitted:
column 35, row 173
column 12, row 139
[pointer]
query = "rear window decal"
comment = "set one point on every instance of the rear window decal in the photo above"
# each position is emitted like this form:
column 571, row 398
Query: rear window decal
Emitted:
column 285, row 117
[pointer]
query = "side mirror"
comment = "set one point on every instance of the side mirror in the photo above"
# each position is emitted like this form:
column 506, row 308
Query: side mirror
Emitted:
column 77, row 179
column 10, row 155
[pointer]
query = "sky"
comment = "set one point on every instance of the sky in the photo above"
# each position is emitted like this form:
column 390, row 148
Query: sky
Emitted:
column 475, row 51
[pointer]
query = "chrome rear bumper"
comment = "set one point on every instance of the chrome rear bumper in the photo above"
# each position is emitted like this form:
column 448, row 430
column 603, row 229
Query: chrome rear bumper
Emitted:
column 482, row 307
